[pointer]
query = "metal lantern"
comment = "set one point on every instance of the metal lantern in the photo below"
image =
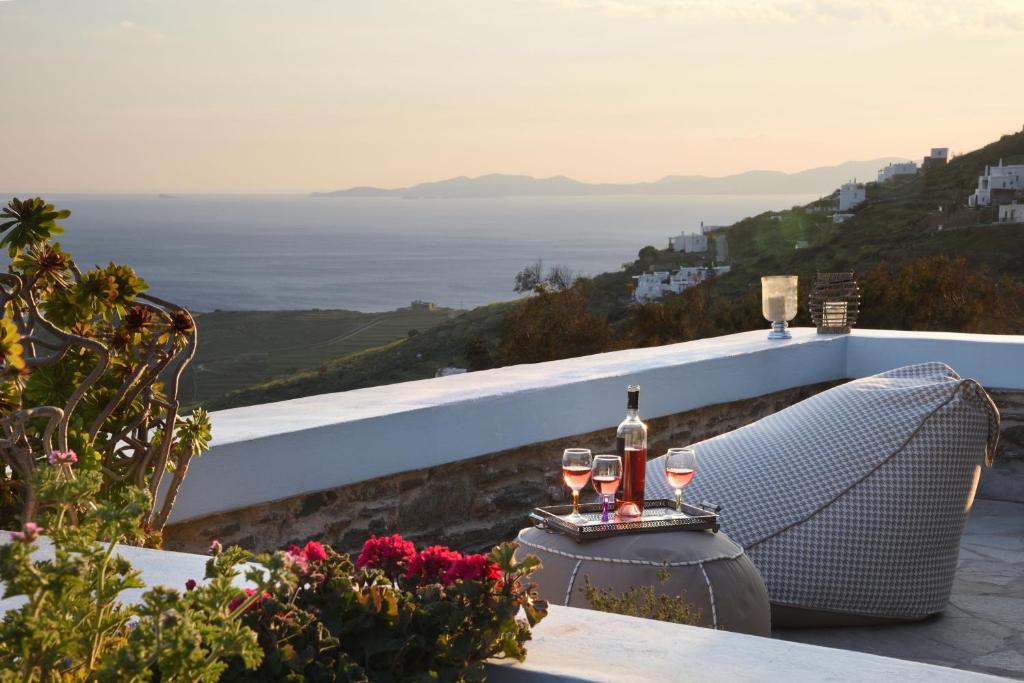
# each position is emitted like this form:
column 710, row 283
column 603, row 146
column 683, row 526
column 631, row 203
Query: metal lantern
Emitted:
column 834, row 302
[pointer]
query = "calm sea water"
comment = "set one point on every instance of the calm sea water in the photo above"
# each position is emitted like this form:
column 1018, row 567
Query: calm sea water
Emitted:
column 373, row 254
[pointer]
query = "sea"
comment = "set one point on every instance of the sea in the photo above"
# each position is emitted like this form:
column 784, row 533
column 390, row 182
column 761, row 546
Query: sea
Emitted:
column 273, row 252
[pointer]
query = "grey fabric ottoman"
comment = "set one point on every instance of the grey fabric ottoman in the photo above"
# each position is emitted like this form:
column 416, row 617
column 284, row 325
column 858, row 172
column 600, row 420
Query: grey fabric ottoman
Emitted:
column 852, row 502
column 711, row 573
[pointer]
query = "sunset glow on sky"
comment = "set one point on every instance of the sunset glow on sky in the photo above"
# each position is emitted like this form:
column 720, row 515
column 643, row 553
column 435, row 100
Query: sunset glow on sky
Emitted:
column 275, row 96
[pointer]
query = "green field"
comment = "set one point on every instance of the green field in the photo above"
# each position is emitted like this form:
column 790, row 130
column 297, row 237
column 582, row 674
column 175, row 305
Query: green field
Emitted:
column 240, row 349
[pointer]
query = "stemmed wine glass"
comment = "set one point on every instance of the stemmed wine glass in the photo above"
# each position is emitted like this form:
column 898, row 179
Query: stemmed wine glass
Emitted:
column 607, row 474
column 576, row 464
column 680, row 466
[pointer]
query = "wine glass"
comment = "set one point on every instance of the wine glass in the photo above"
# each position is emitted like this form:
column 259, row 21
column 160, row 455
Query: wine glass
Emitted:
column 576, row 464
column 680, row 466
column 606, row 476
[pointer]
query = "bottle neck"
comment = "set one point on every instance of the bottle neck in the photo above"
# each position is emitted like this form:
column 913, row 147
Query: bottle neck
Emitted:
column 632, row 413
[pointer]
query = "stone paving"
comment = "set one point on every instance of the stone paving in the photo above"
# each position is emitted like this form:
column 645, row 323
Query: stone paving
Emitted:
column 983, row 627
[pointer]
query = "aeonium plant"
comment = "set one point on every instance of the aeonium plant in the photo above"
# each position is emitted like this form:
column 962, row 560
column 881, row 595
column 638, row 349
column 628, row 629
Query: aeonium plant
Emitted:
column 88, row 362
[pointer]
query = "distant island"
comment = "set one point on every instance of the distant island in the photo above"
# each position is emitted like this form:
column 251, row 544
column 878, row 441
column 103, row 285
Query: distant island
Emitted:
column 822, row 180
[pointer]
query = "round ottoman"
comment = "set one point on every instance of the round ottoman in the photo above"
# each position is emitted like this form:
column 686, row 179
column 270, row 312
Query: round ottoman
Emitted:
column 710, row 571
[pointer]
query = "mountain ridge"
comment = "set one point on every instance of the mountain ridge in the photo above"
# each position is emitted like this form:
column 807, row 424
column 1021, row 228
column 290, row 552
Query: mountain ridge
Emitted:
column 819, row 180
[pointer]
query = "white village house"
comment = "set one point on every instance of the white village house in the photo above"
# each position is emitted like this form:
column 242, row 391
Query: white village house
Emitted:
column 1011, row 213
column 851, row 195
column 689, row 243
column 997, row 179
column 655, row 284
column 896, row 169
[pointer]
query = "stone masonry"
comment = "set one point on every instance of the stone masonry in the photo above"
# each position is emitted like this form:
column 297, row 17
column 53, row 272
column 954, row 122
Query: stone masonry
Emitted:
column 469, row 505
column 475, row 503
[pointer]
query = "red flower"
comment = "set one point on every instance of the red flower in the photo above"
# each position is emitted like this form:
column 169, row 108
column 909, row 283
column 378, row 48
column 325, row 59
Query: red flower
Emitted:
column 432, row 564
column 390, row 553
column 314, row 552
column 249, row 592
column 472, row 568
column 190, row 585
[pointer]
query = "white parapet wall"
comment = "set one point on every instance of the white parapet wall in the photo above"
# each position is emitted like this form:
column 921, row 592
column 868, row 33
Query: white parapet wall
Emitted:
column 574, row 644
column 278, row 450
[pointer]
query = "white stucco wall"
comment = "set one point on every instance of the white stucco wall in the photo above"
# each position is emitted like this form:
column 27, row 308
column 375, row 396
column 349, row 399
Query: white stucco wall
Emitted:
column 278, row 450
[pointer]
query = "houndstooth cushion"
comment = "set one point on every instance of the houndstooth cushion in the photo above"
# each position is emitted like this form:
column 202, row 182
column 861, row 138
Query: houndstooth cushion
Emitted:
column 854, row 500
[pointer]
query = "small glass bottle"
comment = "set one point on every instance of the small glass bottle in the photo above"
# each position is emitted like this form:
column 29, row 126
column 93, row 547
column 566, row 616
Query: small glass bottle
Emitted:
column 631, row 439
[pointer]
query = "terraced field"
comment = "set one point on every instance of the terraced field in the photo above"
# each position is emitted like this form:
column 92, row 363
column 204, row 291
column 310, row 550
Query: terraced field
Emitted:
column 238, row 349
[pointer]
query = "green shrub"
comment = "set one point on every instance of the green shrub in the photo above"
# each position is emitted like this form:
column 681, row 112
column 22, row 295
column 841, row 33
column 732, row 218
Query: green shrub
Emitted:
column 73, row 625
column 643, row 601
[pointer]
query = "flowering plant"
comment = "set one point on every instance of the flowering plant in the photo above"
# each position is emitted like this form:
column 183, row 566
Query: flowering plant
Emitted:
column 73, row 626
column 395, row 614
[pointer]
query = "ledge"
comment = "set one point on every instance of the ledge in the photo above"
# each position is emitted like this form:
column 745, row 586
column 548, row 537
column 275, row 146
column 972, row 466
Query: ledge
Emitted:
column 279, row 450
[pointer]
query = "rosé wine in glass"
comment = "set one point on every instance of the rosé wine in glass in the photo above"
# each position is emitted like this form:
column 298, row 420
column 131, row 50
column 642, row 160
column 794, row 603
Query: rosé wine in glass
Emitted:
column 680, row 466
column 576, row 476
column 606, row 479
column 576, row 463
column 679, row 477
column 606, row 485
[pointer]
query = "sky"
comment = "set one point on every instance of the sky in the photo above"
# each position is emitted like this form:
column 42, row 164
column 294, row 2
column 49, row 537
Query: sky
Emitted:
column 304, row 95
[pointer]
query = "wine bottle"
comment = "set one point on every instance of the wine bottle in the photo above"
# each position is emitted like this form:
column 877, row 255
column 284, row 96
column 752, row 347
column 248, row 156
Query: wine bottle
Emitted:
column 631, row 440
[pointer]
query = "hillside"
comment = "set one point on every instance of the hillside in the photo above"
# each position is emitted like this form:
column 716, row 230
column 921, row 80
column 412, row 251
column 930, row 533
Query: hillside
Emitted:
column 239, row 349
column 811, row 181
column 900, row 222
column 402, row 359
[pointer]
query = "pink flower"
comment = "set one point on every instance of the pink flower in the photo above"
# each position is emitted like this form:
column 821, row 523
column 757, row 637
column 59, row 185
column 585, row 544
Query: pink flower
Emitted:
column 297, row 559
column 30, row 533
column 216, row 548
column 432, row 564
column 472, row 568
column 389, row 553
column 314, row 552
column 190, row 585
column 58, row 458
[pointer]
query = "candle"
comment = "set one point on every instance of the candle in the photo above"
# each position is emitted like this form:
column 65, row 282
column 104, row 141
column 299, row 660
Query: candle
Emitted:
column 834, row 314
column 776, row 309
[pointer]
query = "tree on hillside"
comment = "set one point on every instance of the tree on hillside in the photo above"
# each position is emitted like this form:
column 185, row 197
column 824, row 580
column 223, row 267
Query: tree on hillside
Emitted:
column 532, row 278
column 938, row 293
column 552, row 325
column 696, row 313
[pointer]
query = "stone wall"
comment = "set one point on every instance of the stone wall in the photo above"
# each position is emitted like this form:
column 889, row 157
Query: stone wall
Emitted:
column 475, row 503
column 469, row 504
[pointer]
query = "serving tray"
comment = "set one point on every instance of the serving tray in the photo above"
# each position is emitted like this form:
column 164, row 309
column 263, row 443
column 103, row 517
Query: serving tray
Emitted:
column 700, row 517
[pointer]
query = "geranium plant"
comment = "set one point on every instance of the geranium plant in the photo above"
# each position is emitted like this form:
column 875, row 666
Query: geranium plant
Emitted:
column 394, row 614
column 88, row 362
column 73, row 624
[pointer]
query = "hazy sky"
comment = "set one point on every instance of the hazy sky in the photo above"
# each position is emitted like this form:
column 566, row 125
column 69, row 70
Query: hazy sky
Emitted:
column 300, row 95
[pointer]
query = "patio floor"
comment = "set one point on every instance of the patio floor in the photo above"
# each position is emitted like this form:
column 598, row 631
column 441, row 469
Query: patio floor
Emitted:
column 983, row 627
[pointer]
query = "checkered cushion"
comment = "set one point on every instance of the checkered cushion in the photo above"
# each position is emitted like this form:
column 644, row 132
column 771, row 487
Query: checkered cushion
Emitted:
column 854, row 500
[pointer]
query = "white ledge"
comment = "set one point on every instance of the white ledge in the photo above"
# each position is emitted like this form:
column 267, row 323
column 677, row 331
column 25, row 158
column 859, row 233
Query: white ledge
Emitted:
column 582, row 645
column 278, row 450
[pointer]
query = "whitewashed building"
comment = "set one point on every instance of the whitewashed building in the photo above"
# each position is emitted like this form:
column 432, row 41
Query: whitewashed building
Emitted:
column 689, row 243
column 708, row 229
column 656, row 284
column 897, row 169
column 1011, row 213
column 995, row 179
column 650, row 286
column 851, row 195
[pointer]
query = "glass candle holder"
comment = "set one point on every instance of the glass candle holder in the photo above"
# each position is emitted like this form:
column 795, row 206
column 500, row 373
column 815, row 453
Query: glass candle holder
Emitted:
column 778, row 303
